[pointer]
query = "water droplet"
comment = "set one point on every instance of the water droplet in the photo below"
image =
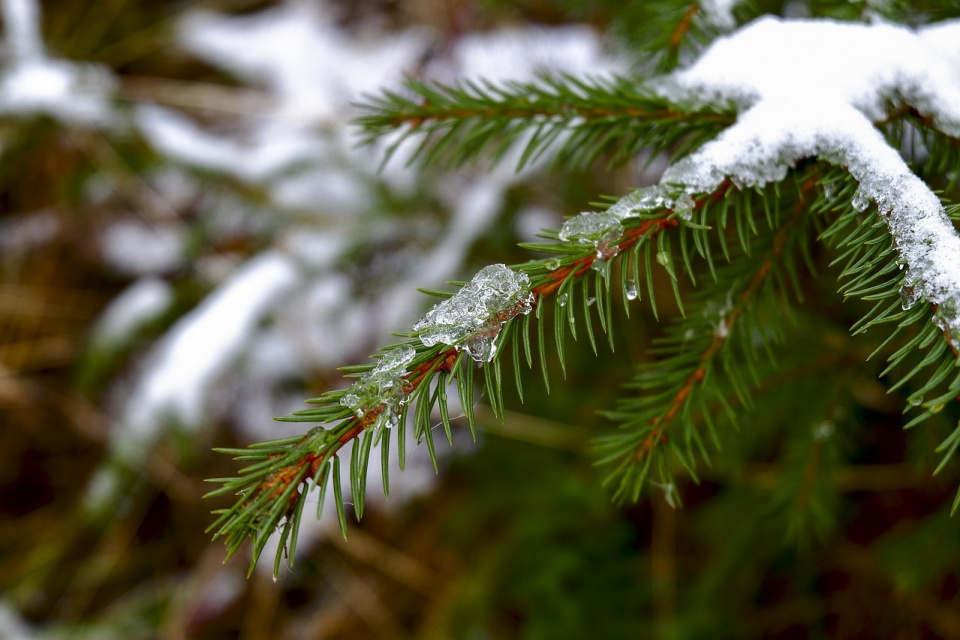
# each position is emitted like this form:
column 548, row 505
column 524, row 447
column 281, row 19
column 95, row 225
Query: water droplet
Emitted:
column 915, row 401
column 630, row 290
column 823, row 430
column 562, row 300
column 860, row 201
column 599, row 262
column 722, row 330
column 481, row 348
column 908, row 296
column 663, row 258
column 590, row 301
column 553, row 264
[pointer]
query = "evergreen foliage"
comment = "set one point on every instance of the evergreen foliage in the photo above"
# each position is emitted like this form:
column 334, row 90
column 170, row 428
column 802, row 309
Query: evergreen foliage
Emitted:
column 747, row 266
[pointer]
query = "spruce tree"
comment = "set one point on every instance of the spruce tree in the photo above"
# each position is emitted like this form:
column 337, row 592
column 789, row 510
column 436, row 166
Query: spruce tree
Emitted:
column 812, row 183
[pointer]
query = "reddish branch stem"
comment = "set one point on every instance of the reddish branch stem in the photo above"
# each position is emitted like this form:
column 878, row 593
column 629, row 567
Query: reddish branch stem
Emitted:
column 684, row 26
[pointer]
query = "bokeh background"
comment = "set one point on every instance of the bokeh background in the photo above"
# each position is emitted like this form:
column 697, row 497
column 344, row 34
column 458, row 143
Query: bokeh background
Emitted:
column 193, row 239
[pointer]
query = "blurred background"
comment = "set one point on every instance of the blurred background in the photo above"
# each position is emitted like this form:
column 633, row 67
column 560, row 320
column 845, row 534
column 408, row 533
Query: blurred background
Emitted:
column 193, row 239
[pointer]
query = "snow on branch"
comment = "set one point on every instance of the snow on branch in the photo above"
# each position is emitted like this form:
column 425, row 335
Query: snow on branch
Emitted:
column 814, row 89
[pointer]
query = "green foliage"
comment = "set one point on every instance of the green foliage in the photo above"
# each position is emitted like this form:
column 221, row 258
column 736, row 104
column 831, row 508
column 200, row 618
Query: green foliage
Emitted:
column 573, row 120
column 739, row 264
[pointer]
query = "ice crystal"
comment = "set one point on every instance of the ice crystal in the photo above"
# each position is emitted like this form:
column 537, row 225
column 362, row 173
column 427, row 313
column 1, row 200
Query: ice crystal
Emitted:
column 382, row 386
column 471, row 319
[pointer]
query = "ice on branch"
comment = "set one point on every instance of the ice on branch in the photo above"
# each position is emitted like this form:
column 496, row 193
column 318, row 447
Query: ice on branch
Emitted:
column 602, row 230
column 641, row 200
column 816, row 91
column 382, row 387
column 472, row 318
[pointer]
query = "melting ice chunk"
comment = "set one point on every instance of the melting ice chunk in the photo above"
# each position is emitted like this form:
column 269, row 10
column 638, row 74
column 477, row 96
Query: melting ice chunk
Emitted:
column 381, row 386
column 592, row 228
column 602, row 230
column 472, row 318
column 644, row 199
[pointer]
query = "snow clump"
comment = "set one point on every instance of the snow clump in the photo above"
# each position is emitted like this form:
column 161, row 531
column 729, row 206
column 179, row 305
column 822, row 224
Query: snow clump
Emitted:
column 815, row 92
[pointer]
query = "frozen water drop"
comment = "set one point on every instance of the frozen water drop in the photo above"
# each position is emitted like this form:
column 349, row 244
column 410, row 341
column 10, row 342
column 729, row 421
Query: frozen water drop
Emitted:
column 684, row 207
column 599, row 262
column 860, row 201
column 722, row 329
column 823, row 430
column 590, row 301
column 630, row 290
column 908, row 296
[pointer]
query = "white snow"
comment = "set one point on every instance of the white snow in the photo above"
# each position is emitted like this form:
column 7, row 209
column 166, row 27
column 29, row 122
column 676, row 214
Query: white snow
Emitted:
column 13, row 626
column 20, row 233
column 137, row 248
column 37, row 84
column 815, row 91
column 521, row 54
column 197, row 352
column 139, row 303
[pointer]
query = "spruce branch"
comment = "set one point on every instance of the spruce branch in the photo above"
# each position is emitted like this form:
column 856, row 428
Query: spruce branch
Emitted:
column 576, row 120
column 817, row 170
column 272, row 491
